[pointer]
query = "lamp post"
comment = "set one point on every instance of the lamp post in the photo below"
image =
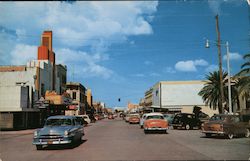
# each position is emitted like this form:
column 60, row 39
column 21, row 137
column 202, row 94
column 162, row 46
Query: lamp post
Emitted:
column 228, row 71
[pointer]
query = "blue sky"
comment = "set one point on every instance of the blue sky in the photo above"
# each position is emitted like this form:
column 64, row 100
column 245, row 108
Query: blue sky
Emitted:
column 121, row 49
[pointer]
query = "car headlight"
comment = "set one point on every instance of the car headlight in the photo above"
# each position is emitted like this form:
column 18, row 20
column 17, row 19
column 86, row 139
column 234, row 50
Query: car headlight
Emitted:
column 66, row 133
column 35, row 133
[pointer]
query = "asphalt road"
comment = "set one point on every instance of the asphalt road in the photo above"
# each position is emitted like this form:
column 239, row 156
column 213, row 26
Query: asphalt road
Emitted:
column 117, row 140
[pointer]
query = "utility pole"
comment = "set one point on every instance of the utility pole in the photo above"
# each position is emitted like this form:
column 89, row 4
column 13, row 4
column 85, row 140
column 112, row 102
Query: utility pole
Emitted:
column 220, row 64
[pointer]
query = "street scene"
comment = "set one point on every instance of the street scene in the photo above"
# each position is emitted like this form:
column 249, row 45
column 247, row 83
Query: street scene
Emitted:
column 125, row 80
column 117, row 140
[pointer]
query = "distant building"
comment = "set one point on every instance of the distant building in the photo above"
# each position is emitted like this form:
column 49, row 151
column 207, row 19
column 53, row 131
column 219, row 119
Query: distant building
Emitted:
column 79, row 99
column 177, row 96
column 132, row 107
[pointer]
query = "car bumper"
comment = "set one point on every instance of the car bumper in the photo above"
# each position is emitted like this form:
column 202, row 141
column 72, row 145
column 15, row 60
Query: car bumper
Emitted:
column 213, row 132
column 155, row 128
column 177, row 125
column 38, row 141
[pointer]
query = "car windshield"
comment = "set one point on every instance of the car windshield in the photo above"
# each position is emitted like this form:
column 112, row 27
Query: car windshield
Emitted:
column 217, row 118
column 58, row 122
column 155, row 117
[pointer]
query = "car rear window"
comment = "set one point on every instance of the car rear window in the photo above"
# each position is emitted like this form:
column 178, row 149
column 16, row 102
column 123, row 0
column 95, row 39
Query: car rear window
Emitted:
column 217, row 118
column 58, row 122
column 155, row 117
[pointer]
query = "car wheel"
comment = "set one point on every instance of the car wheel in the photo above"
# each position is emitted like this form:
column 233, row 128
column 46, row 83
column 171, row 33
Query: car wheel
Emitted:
column 208, row 135
column 39, row 147
column 247, row 133
column 230, row 135
column 187, row 127
column 145, row 131
column 174, row 127
column 141, row 126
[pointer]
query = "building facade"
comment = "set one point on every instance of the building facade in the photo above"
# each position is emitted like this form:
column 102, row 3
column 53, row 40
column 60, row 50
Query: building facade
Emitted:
column 178, row 96
column 22, row 86
column 79, row 99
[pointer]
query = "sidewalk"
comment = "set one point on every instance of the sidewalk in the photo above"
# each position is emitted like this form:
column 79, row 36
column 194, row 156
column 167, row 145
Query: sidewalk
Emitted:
column 18, row 132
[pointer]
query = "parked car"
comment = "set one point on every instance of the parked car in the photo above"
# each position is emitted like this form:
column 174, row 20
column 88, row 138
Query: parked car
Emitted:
column 226, row 125
column 86, row 118
column 142, row 119
column 186, row 120
column 134, row 119
column 127, row 117
column 155, row 121
column 59, row 130
column 169, row 118
column 110, row 116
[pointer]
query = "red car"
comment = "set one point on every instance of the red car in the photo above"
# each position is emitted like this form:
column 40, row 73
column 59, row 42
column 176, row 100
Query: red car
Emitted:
column 134, row 119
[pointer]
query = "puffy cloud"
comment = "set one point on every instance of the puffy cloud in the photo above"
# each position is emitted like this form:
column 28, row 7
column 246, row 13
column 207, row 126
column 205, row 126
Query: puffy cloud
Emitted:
column 22, row 53
column 190, row 65
column 83, row 63
column 201, row 62
column 185, row 66
column 233, row 56
column 169, row 70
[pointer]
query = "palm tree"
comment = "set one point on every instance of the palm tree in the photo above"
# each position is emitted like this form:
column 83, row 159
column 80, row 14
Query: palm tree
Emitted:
column 211, row 91
column 243, row 77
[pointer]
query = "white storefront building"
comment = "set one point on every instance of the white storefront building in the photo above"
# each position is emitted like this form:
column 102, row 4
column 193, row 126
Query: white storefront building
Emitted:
column 179, row 96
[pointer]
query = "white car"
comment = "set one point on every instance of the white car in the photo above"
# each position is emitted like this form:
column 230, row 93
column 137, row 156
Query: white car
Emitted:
column 86, row 118
column 142, row 119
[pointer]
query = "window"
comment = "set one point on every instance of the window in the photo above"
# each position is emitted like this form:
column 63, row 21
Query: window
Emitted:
column 74, row 95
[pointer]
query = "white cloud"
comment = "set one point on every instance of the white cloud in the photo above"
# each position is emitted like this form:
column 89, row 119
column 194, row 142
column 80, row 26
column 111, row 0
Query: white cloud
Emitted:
column 201, row 62
column 185, row 66
column 169, row 70
column 233, row 56
column 190, row 65
column 212, row 68
column 84, row 64
column 155, row 74
column 138, row 75
column 22, row 53
column 148, row 62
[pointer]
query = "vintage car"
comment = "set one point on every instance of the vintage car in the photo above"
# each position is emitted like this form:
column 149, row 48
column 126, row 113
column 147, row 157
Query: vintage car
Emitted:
column 169, row 117
column 86, row 118
column 155, row 122
column 186, row 120
column 134, row 119
column 110, row 116
column 226, row 125
column 142, row 119
column 127, row 117
column 59, row 130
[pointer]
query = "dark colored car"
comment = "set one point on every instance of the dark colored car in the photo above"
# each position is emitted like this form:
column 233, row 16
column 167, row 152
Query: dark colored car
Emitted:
column 227, row 125
column 59, row 130
column 186, row 120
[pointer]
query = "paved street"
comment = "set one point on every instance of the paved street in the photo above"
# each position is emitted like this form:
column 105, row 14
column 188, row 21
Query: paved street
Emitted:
column 117, row 140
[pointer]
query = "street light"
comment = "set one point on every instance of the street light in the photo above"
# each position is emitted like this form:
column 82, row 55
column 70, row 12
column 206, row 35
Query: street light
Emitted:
column 228, row 71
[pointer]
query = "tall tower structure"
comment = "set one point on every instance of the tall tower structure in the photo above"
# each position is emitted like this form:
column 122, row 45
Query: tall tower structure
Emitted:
column 45, row 52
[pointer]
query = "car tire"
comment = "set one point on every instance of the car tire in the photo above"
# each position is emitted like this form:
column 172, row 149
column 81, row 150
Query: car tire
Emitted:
column 230, row 136
column 39, row 147
column 208, row 135
column 247, row 133
column 141, row 126
column 174, row 127
column 145, row 131
column 187, row 127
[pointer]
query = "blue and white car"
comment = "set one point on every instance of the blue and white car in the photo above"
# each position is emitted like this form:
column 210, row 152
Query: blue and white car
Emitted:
column 59, row 130
column 142, row 119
